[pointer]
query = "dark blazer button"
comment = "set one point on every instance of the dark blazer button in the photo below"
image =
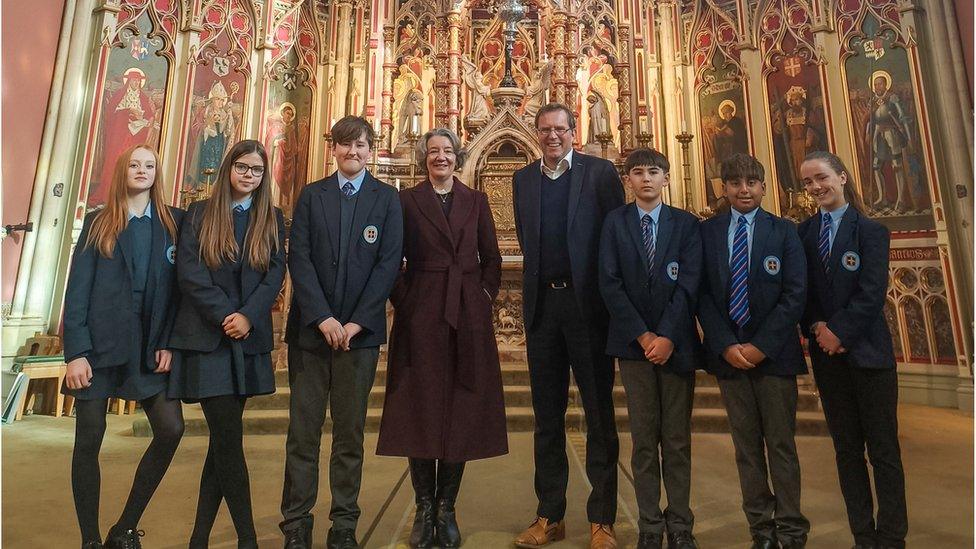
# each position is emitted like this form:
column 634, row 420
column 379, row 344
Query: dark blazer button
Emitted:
column 334, row 263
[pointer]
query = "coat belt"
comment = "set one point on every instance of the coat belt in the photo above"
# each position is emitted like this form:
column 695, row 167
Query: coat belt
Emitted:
column 455, row 271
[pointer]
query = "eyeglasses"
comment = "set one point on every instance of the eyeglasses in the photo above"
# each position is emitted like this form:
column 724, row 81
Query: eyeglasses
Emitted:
column 558, row 131
column 241, row 169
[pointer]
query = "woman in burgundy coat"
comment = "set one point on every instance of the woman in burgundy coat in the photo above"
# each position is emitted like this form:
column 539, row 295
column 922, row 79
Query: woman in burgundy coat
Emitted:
column 444, row 402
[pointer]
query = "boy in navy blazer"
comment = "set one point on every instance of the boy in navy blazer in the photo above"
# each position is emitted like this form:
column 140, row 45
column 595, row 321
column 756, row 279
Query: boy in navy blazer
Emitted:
column 752, row 296
column 650, row 267
column 344, row 255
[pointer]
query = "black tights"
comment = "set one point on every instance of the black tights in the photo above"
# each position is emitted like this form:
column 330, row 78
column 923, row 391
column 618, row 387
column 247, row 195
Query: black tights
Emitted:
column 165, row 417
column 224, row 472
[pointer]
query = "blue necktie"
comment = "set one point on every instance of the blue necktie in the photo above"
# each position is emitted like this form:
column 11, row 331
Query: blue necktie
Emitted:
column 238, row 209
column 348, row 190
column 647, row 235
column 739, row 266
column 823, row 245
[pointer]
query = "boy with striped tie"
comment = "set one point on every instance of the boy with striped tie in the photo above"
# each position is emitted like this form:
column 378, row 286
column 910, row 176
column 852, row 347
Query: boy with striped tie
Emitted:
column 752, row 297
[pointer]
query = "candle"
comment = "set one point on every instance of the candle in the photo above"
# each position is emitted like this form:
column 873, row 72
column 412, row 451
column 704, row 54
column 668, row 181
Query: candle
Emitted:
column 376, row 125
column 415, row 124
column 684, row 126
column 396, row 183
column 332, row 124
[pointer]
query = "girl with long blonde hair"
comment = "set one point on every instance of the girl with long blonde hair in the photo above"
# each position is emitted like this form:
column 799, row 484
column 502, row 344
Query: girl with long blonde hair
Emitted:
column 118, row 316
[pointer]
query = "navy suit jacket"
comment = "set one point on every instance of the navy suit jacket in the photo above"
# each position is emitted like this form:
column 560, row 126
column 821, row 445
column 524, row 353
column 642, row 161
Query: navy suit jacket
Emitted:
column 371, row 268
column 663, row 303
column 851, row 298
column 99, row 312
column 776, row 300
column 595, row 190
column 205, row 301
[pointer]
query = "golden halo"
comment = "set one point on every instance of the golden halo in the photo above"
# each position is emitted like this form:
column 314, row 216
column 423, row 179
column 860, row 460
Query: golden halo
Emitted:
column 880, row 74
column 281, row 109
column 728, row 102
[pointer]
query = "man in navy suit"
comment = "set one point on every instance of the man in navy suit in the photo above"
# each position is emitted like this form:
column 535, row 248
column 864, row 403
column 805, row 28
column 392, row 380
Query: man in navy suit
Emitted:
column 752, row 297
column 561, row 201
column 345, row 252
column 650, row 267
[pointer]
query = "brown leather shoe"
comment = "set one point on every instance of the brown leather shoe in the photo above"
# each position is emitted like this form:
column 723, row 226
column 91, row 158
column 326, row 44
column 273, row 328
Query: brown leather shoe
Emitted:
column 541, row 533
column 602, row 536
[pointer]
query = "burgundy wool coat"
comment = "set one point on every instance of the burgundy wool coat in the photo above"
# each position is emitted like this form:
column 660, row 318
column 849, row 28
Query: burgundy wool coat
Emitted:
column 444, row 395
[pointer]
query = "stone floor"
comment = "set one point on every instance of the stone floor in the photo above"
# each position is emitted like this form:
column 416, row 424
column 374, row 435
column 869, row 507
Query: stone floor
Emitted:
column 496, row 500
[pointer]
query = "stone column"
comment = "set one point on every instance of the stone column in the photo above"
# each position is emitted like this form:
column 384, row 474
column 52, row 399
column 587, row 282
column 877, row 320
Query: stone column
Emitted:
column 557, row 50
column 623, row 78
column 41, row 277
column 343, row 58
column 389, row 65
column 669, row 55
column 454, row 72
column 946, row 99
column 441, row 69
column 571, row 48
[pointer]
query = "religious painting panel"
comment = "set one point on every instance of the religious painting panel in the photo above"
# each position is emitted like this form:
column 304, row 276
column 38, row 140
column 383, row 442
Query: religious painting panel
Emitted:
column 884, row 113
column 918, row 342
column 796, row 101
column 216, row 112
column 287, row 124
column 891, row 318
column 721, row 105
column 132, row 99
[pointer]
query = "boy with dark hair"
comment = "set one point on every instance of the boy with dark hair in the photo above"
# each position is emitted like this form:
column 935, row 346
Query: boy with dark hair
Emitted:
column 344, row 255
column 650, row 265
column 752, row 296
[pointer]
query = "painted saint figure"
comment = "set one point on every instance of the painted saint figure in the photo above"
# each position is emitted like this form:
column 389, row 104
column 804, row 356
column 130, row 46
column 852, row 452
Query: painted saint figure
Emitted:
column 215, row 129
column 889, row 140
column 284, row 147
column 129, row 117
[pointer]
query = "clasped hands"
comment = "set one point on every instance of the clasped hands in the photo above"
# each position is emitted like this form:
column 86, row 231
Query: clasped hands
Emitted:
column 743, row 356
column 657, row 349
column 338, row 335
column 827, row 339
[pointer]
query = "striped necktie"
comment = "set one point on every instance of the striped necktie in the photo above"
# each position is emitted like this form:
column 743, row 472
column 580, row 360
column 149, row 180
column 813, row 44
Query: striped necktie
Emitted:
column 647, row 235
column 739, row 266
column 823, row 245
column 239, row 209
column 348, row 190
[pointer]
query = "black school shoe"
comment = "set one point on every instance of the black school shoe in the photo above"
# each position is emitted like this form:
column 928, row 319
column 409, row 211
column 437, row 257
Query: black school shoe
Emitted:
column 682, row 540
column 299, row 538
column 123, row 539
column 649, row 541
column 341, row 539
column 762, row 542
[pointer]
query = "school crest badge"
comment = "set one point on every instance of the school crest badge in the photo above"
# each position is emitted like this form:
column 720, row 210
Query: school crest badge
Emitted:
column 171, row 255
column 772, row 264
column 673, row 270
column 370, row 234
column 850, row 261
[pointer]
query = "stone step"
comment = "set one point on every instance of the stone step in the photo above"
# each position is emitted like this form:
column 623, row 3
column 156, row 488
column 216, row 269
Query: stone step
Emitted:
column 520, row 419
column 521, row 395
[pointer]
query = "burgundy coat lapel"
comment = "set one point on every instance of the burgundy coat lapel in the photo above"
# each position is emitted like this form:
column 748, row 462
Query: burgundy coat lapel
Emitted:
column 429, row 205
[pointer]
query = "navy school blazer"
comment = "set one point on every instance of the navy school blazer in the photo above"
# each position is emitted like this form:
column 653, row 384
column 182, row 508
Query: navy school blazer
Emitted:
column 372, row 265
column 99, row 312
column 595, row 190
column 663, row 303
column 777, row 295
column 205, row 301
column 851, row 298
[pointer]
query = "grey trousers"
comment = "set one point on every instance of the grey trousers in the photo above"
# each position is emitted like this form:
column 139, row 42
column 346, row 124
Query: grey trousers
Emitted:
column 762, row 415
column 659, row 404
column 340, row 380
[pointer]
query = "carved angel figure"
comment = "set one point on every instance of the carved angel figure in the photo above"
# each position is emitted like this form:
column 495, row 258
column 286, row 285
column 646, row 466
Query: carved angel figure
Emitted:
column 536, row 93
column 478, row 108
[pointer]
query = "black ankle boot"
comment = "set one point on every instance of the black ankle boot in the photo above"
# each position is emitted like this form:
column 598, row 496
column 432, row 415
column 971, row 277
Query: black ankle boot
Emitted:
column 448, row 484
column 424, row 479
column 118, row 538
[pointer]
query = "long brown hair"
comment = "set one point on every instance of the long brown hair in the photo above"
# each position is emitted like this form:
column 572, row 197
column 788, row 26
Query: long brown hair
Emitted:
column 217, row 242
column 114, row 217
column 836, row 164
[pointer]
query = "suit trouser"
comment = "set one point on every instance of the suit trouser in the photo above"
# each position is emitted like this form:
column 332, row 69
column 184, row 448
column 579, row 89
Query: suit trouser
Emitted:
column 340, row 380
column 560, row 340
column 659, row 403
column 762, row 417
column 861, row 408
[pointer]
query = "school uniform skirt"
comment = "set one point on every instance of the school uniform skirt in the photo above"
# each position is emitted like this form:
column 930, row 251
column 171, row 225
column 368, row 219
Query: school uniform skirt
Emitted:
column 132, row 380
column 224, row 371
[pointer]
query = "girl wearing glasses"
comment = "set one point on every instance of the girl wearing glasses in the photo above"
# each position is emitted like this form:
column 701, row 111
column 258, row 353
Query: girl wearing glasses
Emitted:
column 230, row 267
column 117, row 321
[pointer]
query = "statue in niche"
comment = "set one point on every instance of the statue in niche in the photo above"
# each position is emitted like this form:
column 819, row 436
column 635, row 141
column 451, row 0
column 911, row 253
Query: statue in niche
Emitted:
column 411, row 109
column 536, row 93
column 478, row 112
column 599, row 117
